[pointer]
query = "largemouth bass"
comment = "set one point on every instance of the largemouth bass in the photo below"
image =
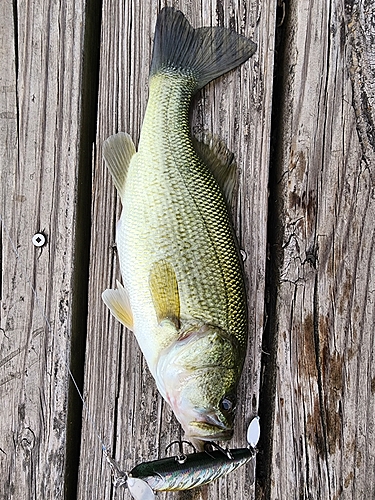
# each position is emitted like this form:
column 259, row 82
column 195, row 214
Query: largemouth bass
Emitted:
column 183, row 291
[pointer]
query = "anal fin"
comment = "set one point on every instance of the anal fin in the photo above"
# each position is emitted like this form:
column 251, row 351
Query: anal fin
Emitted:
column 118, row 150
column 118, row 303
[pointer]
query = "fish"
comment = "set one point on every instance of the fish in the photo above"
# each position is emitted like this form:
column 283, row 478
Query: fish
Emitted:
column 183, row 292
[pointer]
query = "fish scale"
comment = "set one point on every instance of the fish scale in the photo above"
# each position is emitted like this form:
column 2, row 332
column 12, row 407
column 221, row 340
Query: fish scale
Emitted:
column 208, row 272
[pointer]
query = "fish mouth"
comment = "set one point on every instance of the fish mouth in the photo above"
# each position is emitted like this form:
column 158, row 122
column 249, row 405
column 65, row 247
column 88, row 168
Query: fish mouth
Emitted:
column 210, row 429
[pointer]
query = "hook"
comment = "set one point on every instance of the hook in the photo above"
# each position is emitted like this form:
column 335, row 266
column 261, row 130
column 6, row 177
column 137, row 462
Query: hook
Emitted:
column 225, row 451
column 181, row 457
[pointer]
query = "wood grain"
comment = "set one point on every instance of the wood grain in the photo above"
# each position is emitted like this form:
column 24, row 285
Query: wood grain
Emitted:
column 121, row 395
column 323, row 419
column 40, row 89
column 317, row 381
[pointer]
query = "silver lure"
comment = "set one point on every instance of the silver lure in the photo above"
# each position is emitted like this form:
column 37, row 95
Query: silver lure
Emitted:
column 184, row 472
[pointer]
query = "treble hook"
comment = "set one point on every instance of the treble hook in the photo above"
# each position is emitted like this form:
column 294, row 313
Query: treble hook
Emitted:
column 181, row 457
column 225, row 451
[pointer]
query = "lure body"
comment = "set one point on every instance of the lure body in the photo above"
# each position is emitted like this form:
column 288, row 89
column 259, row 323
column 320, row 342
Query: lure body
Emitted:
column 185, row 472
column 199, row 469
column 183, row 291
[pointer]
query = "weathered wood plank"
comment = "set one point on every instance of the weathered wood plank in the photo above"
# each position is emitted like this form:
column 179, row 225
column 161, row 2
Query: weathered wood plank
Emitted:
column 121, row 395
column 323, row 420
column 40, row 103
column 323, row 436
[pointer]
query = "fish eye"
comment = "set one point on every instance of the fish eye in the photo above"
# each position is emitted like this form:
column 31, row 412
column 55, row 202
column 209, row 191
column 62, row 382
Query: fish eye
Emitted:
column 228, row 404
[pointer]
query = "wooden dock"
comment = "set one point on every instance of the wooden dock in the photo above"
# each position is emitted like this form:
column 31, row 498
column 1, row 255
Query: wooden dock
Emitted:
column 299, row 116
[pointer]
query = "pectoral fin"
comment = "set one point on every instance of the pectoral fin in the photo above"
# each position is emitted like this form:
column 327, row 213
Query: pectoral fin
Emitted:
column 118, row 303
column 164, row 291
column 214, row 153
column 118, row 150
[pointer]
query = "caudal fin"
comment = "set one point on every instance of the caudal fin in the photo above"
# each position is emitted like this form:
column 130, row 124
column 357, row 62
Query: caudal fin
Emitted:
column 205, row 53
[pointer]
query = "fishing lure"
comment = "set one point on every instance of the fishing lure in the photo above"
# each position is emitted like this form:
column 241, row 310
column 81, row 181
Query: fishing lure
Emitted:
column 185, row 472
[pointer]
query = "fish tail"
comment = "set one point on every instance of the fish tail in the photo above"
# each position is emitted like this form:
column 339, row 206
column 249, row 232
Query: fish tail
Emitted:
column 206, row 53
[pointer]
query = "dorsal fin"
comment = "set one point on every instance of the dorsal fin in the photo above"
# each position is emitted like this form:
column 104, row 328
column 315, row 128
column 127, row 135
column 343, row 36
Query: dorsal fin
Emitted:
column 118, row 150
column 214, row 153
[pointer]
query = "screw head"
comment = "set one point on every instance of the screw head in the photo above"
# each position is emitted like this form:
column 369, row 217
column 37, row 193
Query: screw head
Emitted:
column 38, row 239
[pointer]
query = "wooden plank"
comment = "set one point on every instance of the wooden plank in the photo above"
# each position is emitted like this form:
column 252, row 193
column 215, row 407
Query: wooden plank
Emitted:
column 124, row 405
column 40, row 116
column 323, row 437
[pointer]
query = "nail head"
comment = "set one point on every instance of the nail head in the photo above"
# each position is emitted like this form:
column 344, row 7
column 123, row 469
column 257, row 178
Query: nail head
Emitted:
column 38, row 239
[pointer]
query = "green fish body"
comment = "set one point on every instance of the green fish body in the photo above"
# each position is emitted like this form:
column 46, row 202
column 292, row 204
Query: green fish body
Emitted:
column 183, row 291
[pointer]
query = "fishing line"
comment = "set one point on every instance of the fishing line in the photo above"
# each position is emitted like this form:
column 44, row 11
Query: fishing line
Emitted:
column 39, row 307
